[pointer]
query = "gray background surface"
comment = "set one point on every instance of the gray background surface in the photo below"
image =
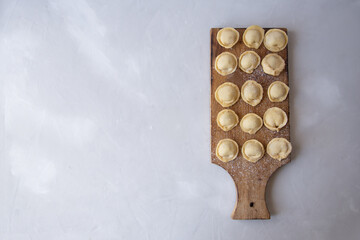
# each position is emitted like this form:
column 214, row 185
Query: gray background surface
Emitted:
column 105, row 121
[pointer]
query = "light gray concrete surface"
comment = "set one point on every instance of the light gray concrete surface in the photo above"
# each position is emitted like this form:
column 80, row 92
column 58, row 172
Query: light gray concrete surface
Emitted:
column 105, row 121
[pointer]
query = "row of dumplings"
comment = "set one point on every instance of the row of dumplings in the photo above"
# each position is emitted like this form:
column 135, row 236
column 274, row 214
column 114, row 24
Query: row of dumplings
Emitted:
column 253, row 150
column 226, row 63
column 227, row 94
column 275, row 40
column 274, row 119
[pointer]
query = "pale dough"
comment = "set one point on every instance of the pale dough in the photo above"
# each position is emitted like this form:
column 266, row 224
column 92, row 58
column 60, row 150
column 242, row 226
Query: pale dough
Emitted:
column 251, row 123
column 252, row 92
column 252, row 150
column 227, row 119
column 279, row 148
column 227, row 150
column 278, row 91
column 227, row 37
column 253, row 36
column 227, row 94
column 275, row 40
column 249, row 61
column 273, row 64
column 225, row 63
column 275, row 119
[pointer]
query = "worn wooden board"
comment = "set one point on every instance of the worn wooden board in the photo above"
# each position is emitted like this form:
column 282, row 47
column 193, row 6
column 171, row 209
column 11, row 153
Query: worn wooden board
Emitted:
column 250, row 178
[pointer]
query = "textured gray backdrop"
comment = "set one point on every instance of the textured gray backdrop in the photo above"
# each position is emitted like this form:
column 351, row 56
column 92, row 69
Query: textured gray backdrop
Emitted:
column 105, row 121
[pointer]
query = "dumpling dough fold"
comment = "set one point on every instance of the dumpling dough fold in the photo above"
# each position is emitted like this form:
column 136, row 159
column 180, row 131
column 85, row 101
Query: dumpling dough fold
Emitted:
column 275, row 119
column 251, row 123
column 252, row 92
column 278, row 91
column 227, row 37
column 227, row 119
column 249, row 61
column 253, row 36
column 273, row 64
column 227, row 150
column 275, row 40
column 252, row 150
column 227, row 94
column 225, row 63
column 279, row 148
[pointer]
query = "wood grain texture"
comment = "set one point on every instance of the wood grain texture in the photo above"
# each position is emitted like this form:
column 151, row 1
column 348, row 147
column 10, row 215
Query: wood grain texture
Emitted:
column 250, row 178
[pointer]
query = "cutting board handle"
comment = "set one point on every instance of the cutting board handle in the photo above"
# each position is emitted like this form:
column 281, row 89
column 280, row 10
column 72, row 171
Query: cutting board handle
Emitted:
column 251, row 202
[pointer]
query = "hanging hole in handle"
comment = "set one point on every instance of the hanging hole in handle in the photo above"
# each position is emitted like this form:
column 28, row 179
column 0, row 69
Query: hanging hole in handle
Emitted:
column 252, row 204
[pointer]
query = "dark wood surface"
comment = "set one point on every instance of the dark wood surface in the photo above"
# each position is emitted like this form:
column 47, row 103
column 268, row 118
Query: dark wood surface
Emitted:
column 250, row 178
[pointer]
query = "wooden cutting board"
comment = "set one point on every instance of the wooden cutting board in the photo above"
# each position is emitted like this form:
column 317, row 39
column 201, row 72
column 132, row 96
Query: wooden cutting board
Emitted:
column 250, row 178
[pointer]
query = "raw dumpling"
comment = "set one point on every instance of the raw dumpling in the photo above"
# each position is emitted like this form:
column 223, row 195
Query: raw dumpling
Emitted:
column 251, row 92
column 273, row 64
column 227, row 94
column 279, row 148
column 275, row 118
column 275, row 40
column 227, row 37
column 249, row 61
column 225, row 63
column 227, row 119
column 253, row 36
column 278, row 91
column 227, row 150
column 252, row 150
column 251, row 123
